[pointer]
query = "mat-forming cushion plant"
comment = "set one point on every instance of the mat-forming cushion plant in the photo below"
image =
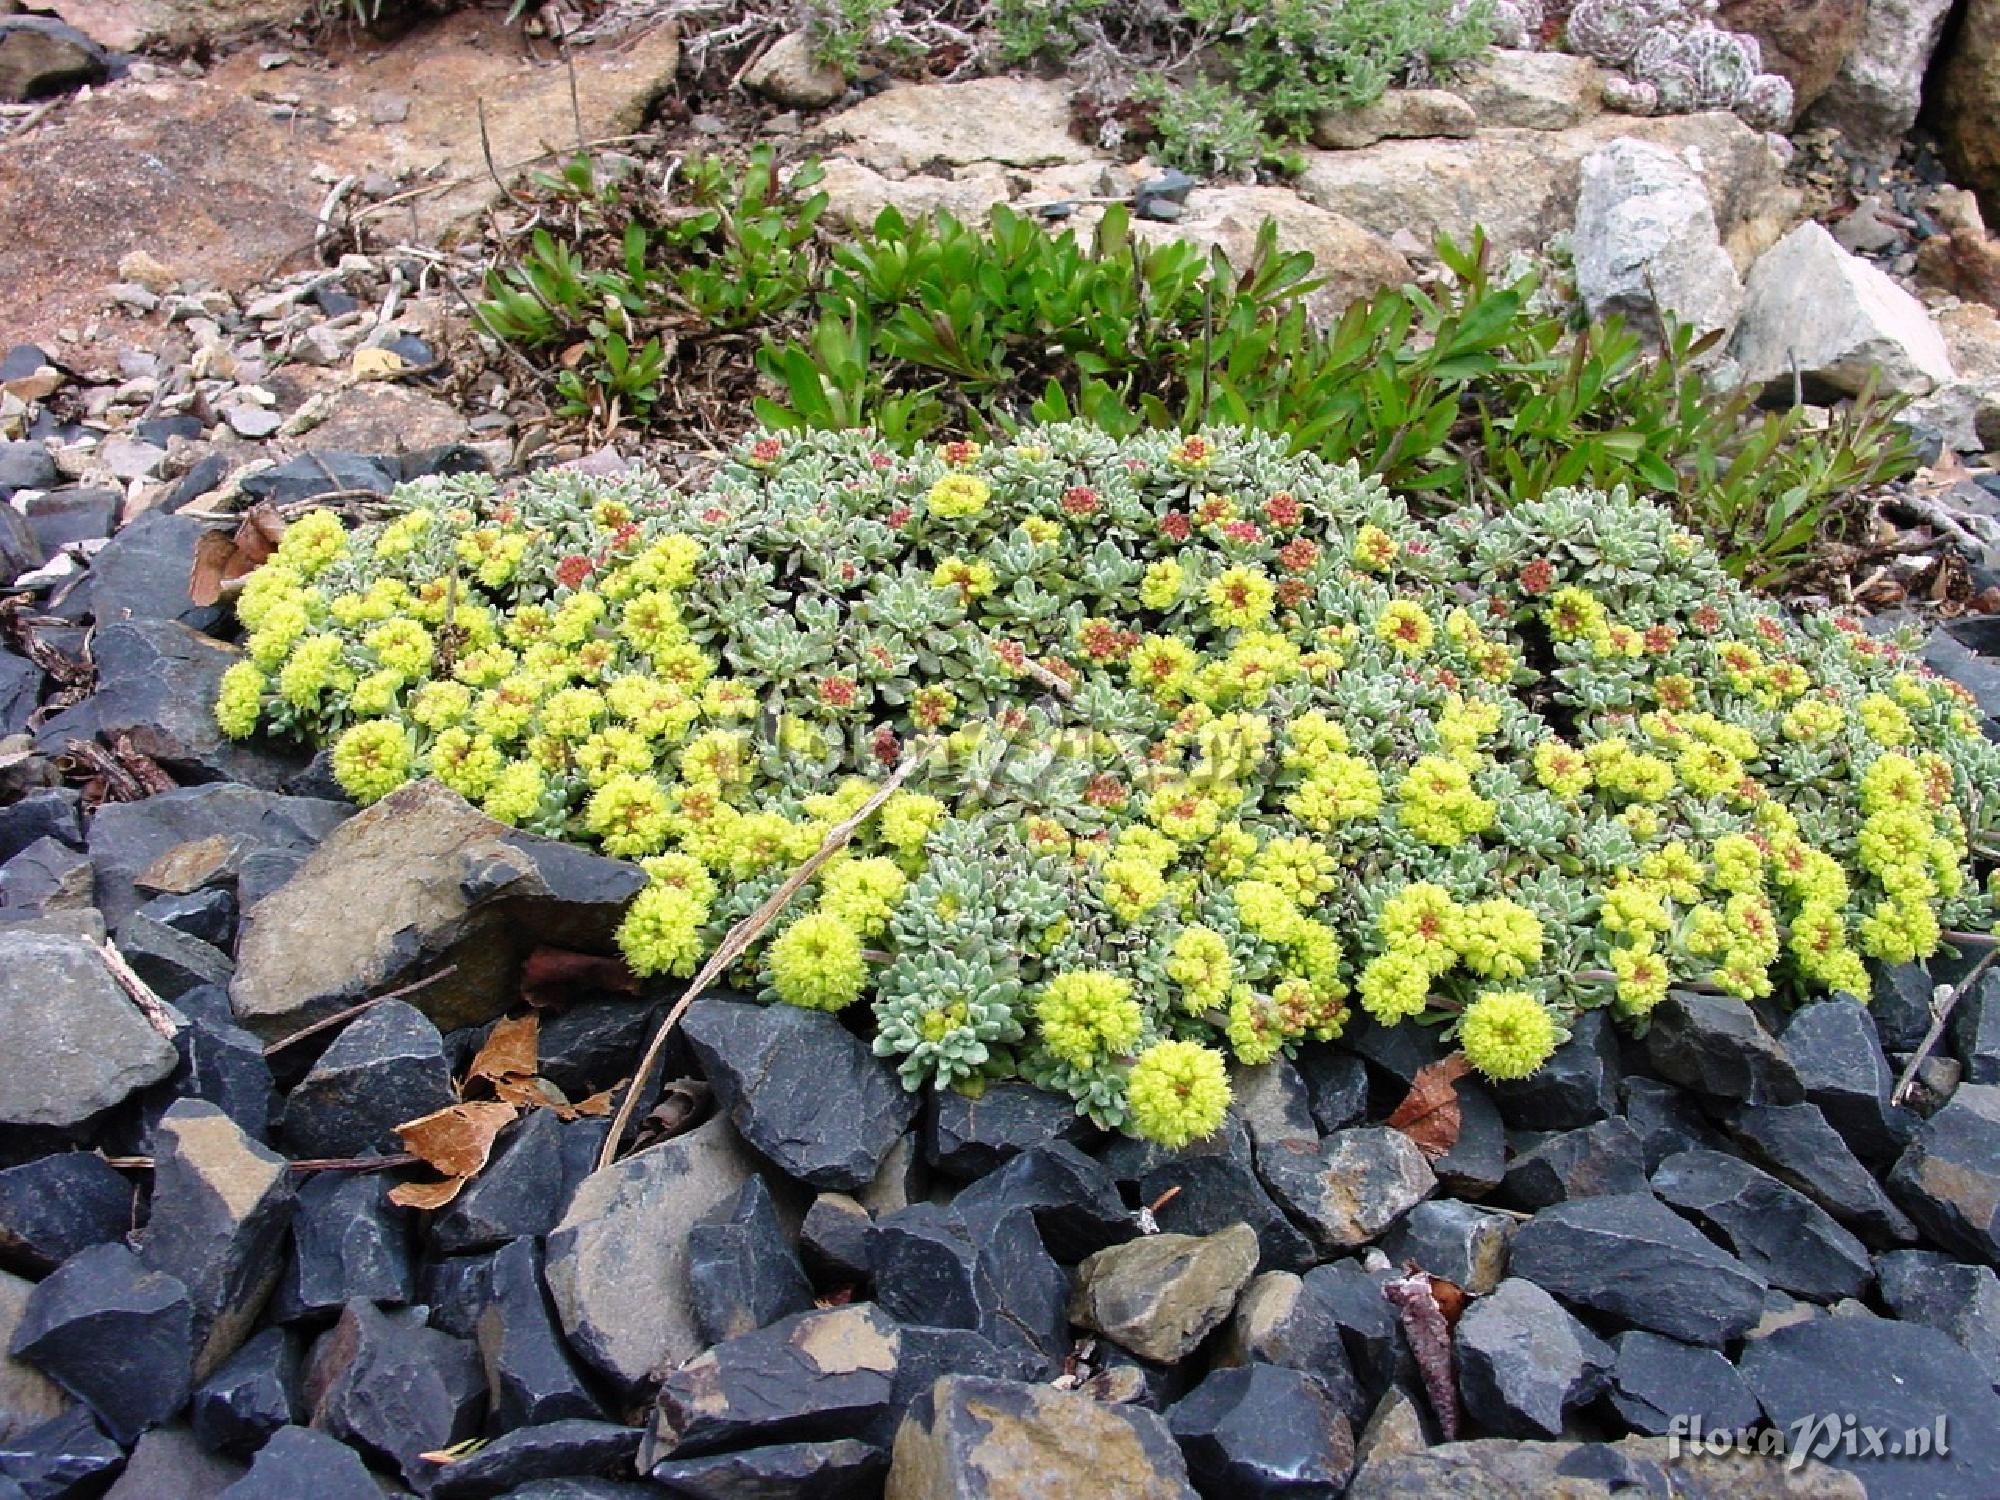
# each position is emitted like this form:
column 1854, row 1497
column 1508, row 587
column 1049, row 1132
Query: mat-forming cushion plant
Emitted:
column 1219, row 745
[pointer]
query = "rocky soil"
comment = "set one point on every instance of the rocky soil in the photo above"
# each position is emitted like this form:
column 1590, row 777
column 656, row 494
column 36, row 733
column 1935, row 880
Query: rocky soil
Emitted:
column 223, row 988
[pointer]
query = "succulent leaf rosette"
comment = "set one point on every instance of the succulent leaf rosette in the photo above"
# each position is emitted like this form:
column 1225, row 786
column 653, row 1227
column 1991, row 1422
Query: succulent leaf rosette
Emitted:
column 1218, row 745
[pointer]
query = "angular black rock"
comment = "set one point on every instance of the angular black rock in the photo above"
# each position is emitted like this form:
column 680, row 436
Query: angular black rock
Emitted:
column 1477, row 1161
column 1577, row 1086
column 529, row 1372
column 386, row 1384
column 142, row 572
column 1715, row 1045
column 45, row 876
column 1946, row 1178
column 1921, row 1286
column 819, row 1375
column 1655, row 1379
column 1372, row 1334
column 220, row 1063
column 1281, row 1320
column 590, row 1045
column 1274, row 1104
column 254, row 1394
column 1780, row 1234
column 220, row 1209
column 63, row 1457
column 1896, row 1378
column 1523, row 1362
column 1349, row 1188
column 20, row 692
column 1199, row 1195
column 773, row 1068
column 208, row 914
column 115, row 1334
column 299, row 1463
column 172, row 962
column 1073, row 1197
column 56, row 1205
column 1975, row 1030
column 966, row 1138
column 455, row 1288
column 320, row 474
column 1900, row 1004
column 925, row 1353
column 1667, row 1120
column 348, row 1241
column 833, row 1240
column 1632, row 1258
column 1460, row 1242
column 842, row 1469
column 1264, row 1432
column 742, row 1272
column 931, row 1266
column 170, row 1461
column 522, row 1190
column 1607, row 1157
column 1795, row 1144
column 550, row 1450
column 1336, row 1086
column 1396, row 1053
column 73, row 516
column 47, row 813
column 386, row 1067
column 1838, row 1054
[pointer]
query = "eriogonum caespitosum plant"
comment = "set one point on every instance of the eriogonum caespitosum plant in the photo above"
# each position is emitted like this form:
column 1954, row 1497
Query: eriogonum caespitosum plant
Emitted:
column 1217, row 745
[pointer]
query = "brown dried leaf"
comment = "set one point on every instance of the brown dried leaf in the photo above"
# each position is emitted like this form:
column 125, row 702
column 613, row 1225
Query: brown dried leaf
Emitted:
column 458, row 1139
column 1449, row 1296
column 429, row 1195
column 220, row 557
column 512, row 1049
column 551, row 976
column 530, row 1093
column 596, row 1106
column 1429, row 1113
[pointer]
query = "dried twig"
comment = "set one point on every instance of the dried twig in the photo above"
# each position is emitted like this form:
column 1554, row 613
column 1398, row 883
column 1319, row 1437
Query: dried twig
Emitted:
column 486, row 150
column 340, row 1016
column 1940, row 1014
column 149, row 1003
column 733, row 945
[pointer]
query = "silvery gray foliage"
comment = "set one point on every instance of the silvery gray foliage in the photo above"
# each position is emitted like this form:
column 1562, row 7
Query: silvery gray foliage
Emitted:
column 1673, row 59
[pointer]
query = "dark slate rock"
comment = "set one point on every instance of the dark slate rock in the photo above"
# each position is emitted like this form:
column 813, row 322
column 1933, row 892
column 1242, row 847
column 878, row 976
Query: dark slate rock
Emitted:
column 1838, row 1054
column 314, row 474
column 1460, row 1242
column 456, row 1288
column 590, row 1045
column 773, row 1067
column 56, row 1205
column 551, row 1450
column 221, row 1064
column 142, row 573
column 585, row 1489
column 523, row 1190
column 931, row 1266
column 127, row 837
column 1372, row 1334
column 1262, row 1432
column 77, row 515
column 1160, row 1295
column 1336, row 1086
column 209, row 915
column 1900, row 1004
column 1975, row 1030
column 169, row 1461
column 20, row 692
column 819, row 1375
column 46, row 813
column 1607, row 1157
column 1397, row 1053
column 221, row 1206
column 27, row 466
column 529, row 1372
column 65, row 1456
column 1523, row 1362
column 1949, row 1177
column 20, row 550
column 1577, row 1086
column 925, row 1353
column 386, row 1067
column 1634, row 1259
column 1715, row 1045
column 169, row 960
column 1780, row 1234
column 45, row 876
column 1073, row 1197
column 1896, row 1377
column 1350, row 1187
column 1796, row 1145
column 843, row 1469
column 1667, row 1120
column 1127, row 1158
column 1209, row 1193
column 833, row 1240
column 388, row 1385
column 1655, row 1380
column 1274, row 1104
column 207, row 474
column 298, row 1462
column 1477, row 1161
column 115, row 1334
column 1281, row 1319
column 1921, row 1286
column 966, row 1138
column 742, row 1272
column 253, row 1394
column 348, row 1241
